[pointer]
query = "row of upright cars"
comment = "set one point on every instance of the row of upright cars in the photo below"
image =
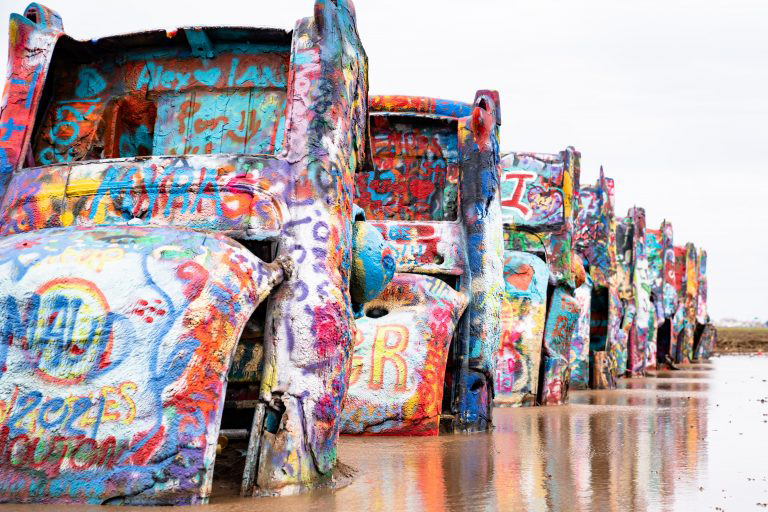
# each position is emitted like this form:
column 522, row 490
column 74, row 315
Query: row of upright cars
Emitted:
column 215, row 233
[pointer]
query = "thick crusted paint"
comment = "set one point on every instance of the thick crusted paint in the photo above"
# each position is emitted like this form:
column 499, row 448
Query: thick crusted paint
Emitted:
column 522, row 328
column 401, row 349
column 481, row 211
column 309, row 331
column 432, row 189
column 116, row 345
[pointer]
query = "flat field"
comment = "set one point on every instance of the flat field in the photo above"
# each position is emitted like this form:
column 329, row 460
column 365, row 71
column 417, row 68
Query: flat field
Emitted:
column 741, row 339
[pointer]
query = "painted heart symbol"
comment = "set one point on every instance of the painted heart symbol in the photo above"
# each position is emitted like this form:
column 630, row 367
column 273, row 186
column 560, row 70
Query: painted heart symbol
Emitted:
column 521, row 278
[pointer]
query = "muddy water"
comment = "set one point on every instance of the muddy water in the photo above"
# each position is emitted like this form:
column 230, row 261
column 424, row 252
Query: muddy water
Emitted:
column 695, row 439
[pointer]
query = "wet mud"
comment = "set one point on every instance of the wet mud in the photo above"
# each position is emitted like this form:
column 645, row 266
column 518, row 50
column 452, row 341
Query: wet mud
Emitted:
column 683, row 440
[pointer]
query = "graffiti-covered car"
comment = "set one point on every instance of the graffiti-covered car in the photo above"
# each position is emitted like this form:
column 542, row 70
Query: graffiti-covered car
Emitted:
column 432, row 188
column 687, row 265
column 706, row 333
column 539, row 312
column 661, row 265
column 596, row 242
column 156, row 190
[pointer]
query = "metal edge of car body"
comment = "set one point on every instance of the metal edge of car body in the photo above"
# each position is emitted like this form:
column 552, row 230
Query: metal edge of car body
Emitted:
column 300, row 197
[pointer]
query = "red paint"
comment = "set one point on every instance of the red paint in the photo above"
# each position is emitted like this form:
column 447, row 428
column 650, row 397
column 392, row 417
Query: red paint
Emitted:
column 326, row 327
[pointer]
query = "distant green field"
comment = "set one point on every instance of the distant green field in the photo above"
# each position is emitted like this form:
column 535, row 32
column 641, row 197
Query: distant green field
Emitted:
column 742, row 339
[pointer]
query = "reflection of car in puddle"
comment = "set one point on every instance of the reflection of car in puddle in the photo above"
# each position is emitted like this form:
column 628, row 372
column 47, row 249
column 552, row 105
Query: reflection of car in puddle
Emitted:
column 432, row 191
column 184, row 176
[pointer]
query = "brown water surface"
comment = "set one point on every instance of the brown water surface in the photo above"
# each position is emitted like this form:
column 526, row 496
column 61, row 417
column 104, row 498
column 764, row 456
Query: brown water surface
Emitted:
column 689, row 440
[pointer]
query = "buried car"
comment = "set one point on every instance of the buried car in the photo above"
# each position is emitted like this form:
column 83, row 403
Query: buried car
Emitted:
column 661, row 264
column 164, row 195
column 421, row 360
column 596, row 242
column 541, row 274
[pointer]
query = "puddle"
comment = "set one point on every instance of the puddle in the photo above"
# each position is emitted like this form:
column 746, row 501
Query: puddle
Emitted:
column 689, row 440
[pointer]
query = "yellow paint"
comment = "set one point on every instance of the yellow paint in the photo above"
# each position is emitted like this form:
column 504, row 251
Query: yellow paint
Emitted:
column 66, row 218
column 125, row 389
column 383, row 351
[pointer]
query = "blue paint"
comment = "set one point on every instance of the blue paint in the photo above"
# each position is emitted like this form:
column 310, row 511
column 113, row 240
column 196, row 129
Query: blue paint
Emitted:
column 9, row 127
column 89, row 83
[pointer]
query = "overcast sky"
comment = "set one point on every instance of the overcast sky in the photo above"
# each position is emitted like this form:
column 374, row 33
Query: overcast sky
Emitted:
column 671, row 96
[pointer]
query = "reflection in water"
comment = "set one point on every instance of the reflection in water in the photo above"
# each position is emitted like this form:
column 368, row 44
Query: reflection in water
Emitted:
column 687, row 440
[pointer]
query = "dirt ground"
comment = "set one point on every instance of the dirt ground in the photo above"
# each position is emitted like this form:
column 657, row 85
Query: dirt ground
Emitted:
column 741, row 339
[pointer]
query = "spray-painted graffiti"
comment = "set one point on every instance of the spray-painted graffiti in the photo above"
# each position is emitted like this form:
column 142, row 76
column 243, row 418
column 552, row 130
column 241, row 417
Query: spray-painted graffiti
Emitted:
column 201, row 192
column 114, row 374
column 522, row 319
column 596, row 242
column 435, row 162
column 561, row 322
column 690, row 291
column 175, row 105
column 579, row 356
column 416, row 171
column 290, row 109
column 401, row 349
column 539, row 198
column 540, row 193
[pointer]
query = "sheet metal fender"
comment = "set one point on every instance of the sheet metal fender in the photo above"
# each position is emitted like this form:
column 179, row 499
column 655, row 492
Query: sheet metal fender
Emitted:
column 401, row 349
column 114, row 346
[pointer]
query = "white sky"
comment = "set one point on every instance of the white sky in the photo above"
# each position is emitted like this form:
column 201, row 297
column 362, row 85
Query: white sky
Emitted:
column 671, row 96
